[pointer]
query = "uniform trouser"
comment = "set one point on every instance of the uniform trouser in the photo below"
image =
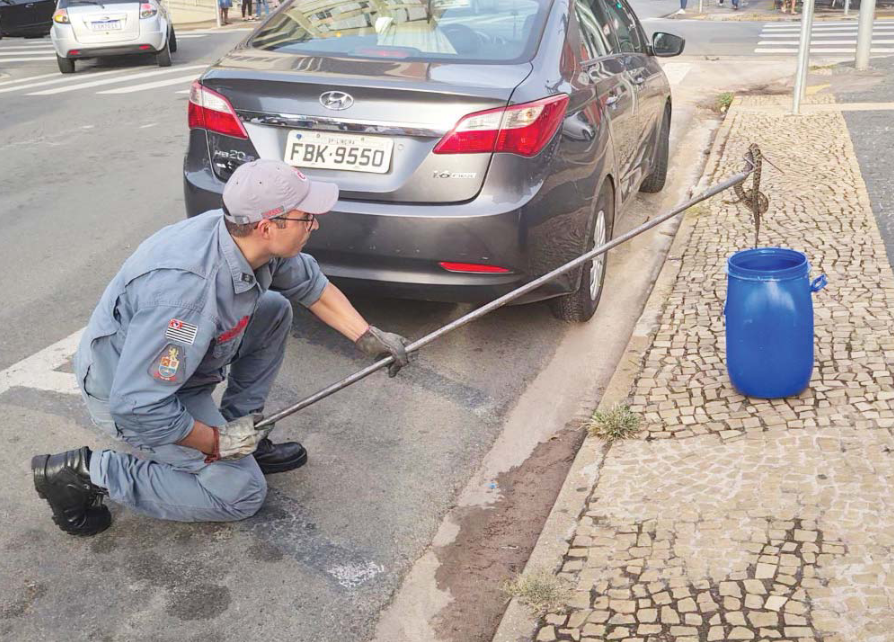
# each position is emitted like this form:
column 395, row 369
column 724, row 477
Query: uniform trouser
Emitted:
column 174, row 482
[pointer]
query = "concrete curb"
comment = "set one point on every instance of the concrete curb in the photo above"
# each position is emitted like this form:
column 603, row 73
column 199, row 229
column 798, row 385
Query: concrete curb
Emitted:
column 518, row 624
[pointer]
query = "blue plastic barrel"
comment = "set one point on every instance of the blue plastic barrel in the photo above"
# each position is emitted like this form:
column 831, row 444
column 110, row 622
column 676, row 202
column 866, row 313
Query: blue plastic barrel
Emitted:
column 769, row 322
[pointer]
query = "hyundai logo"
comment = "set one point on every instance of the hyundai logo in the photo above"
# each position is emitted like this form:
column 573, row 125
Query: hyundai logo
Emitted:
column 336, row 100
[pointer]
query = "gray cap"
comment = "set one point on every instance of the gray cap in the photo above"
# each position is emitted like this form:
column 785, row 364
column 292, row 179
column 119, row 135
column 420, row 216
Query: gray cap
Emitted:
column 266, row 188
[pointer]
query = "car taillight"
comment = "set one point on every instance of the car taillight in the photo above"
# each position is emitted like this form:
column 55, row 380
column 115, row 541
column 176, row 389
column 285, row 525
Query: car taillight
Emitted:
column 473, row 268
column 209, row 110
column 61, row 17
column 147, row 10
column 520, row 129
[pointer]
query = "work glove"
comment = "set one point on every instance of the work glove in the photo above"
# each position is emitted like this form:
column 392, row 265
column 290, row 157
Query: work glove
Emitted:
column 237, row 439
column 380, row 344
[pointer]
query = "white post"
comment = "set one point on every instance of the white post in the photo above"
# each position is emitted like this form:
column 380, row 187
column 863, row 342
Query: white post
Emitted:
column 216, row 12
column 700, row 6
column 809, row 18
column 847, row 7
column 864, row 34
column 803, row 55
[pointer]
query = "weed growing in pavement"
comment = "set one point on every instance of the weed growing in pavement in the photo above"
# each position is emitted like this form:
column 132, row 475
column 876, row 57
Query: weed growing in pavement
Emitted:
column 540, row 591
column 618, row 423
column 723, row 101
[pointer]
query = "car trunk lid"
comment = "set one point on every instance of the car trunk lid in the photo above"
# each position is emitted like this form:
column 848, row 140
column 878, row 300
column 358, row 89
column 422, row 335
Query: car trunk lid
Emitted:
column 98, row 24
column 400, row 108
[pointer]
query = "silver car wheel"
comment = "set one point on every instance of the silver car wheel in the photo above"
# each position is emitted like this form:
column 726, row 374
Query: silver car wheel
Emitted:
column 597, row 266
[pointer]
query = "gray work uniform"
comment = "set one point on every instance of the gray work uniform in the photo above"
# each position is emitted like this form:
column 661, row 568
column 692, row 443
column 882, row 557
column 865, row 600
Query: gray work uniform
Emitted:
column 181, row 310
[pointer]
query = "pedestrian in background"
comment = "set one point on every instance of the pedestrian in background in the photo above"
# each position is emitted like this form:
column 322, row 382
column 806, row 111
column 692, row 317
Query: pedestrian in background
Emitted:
column 246, row 8
column 263, row 4
column 225, row 11
column 682, row 6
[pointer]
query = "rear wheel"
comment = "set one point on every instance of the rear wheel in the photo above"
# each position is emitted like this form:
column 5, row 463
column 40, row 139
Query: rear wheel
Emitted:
column 172, row 39
column 580, row 306
column 655, row 181
column 163, row 57
column 66, row 65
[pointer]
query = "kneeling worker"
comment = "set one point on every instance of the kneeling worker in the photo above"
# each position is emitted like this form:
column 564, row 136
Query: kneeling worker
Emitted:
column 197, row 297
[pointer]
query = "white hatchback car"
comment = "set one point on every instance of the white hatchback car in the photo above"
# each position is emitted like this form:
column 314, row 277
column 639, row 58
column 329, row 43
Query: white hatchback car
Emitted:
column 99, row 28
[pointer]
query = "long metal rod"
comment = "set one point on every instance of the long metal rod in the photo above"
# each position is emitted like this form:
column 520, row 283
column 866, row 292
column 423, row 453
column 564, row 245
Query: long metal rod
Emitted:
column 803, row 55
column 506, row 298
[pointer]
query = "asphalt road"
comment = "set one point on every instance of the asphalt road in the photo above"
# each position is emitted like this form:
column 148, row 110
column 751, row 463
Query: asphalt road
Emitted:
column 872, row 134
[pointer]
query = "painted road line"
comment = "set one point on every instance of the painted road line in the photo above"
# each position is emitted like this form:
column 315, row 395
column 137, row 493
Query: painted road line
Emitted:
column 883, row 50
column 109, row 81
column 776, row 34
column 183, row 91
column 55, row 74
column 24, row 59
column 150, row 85
column 198, row 35
column 676, row 71
column 44, row 83
column 17, row 51
column 39, row 370
column 821, row 43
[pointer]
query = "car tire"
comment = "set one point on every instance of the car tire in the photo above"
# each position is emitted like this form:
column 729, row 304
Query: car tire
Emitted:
column 172, row 40
column 655, row 181
column 66, row 65
column 580, row 305
column 163, row 57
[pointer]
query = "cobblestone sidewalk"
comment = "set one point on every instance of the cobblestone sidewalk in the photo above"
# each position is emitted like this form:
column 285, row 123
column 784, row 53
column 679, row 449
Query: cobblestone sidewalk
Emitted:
column 741, row 519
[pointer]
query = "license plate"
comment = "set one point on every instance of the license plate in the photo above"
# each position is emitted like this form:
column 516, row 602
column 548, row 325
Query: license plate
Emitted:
column 350, row 152
column 108, row 25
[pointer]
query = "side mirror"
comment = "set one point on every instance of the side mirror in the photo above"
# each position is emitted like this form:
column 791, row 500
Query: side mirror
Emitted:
column 667, row 45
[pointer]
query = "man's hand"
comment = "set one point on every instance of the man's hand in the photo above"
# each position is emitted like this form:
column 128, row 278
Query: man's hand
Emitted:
column 237, row 439
column 380, row 344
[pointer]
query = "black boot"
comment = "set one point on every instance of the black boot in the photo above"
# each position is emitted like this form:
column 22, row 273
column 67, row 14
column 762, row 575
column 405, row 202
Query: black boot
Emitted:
column 64, row 481
column 279, row 458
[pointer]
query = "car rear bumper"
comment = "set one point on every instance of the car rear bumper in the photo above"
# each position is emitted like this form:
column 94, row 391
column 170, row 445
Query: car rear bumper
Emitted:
column 64, row 42
column 395, row 249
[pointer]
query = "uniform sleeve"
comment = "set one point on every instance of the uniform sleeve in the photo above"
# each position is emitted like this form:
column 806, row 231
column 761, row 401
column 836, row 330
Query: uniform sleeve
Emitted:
column 299, row 279
column 164, row 346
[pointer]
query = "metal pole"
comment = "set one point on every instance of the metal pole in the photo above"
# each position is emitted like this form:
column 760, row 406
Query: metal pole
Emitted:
column 847, row 8
column 506, row 298
column 803, row 55
column 217, row 12
column 808, row 16
column 864, row 34
column 700, row 6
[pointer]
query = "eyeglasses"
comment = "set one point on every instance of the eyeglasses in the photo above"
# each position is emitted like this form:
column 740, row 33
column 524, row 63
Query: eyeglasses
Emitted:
column 310, row 218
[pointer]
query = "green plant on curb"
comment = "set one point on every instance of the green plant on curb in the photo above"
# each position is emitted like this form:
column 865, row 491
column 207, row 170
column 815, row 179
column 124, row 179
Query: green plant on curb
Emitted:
column 618, row 423
column 723, row 101
column 540, row 591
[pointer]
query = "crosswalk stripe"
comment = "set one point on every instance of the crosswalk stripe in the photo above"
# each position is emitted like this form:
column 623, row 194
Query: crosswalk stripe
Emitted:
column 150, row 85
column 836, row 30
column 25, row 59
column 17, row 50
column 797, row 25
column 44, row 83
column 825, row 34
column 823, row 50
column 33, row 43
column 676, row 71
column 190, row 35
column 822, row 43
column 26, row 53
column 29, row 78
column 109, row 81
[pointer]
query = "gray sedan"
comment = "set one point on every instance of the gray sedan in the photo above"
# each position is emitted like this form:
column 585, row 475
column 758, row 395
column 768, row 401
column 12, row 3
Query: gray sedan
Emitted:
column 477, row 144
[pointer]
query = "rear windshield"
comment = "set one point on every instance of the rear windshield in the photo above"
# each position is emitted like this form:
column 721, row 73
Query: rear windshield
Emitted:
column 456, row 31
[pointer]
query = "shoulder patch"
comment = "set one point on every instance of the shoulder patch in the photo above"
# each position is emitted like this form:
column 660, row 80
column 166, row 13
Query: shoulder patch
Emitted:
column 181, row 331
column 169, row 365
